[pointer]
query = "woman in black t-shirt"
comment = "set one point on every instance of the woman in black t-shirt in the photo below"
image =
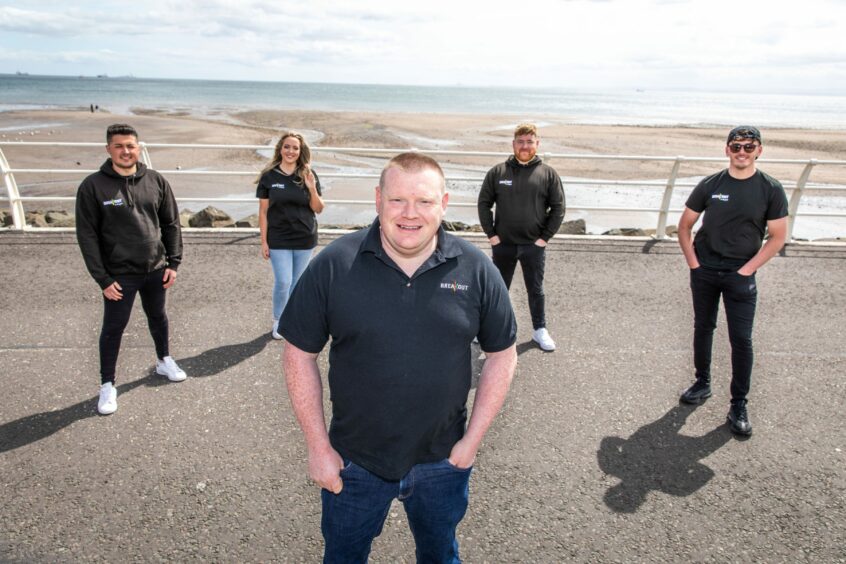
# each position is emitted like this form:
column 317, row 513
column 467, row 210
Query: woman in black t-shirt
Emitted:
column 289, row 197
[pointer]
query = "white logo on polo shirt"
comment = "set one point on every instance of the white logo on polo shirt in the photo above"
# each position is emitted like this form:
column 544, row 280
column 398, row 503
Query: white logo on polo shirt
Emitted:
column 280, row 185
column 454, row 286
column 505, row 182
column 720, row 197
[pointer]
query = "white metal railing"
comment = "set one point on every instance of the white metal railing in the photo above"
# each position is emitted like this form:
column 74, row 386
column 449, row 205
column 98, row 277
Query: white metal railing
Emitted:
column 799, row 187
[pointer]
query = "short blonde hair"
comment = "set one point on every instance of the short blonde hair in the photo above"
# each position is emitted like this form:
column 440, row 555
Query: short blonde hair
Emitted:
column 525, row 129
column 412, row 162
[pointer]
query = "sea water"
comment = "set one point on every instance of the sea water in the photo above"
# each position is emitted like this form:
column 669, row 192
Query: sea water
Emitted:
column 624, row 107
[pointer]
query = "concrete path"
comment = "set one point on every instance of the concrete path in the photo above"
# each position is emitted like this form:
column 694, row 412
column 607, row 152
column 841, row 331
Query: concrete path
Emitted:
column 592, row 459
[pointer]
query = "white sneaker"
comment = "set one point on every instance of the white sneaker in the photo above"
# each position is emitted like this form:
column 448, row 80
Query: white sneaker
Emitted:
column 168, row 367
column 542, row 338
column 107, row 404
column 274, row 333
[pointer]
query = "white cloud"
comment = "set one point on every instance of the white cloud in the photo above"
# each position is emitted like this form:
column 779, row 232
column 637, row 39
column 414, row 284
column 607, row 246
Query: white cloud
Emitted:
column 582, row 43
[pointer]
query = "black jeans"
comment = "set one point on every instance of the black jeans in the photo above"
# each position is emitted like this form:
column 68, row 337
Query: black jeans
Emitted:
column 740, row 295
column 532, row 260
column 116, row 316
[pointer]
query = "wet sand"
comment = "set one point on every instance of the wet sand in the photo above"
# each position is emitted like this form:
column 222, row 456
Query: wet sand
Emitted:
column 450, row 132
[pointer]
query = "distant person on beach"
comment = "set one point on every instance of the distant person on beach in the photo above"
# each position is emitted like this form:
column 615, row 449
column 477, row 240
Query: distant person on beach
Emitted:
column 127, row 226
column 529, row 207
column 402, row 300
column 740, row 204
column 289, row 197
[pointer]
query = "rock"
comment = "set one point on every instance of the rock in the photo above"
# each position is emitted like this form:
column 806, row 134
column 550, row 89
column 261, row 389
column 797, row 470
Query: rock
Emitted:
column 58, row 218
column 456, row 226
column 211, row 217
column 575, row 227
column 249, row 221
column 627, row 232
column 670, row 231
column 345, row 227
column 35, row 219
column 6, row 218
column 185, row 217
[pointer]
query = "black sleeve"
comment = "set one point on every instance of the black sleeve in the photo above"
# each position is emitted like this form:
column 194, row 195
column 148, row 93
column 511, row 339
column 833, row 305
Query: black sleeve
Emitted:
column 555, row 203
column 88, row 234
column 778, row 206
column 170, row 227
column 262, row 191
column 304, row 323
column 699, row 197
column 485, row 203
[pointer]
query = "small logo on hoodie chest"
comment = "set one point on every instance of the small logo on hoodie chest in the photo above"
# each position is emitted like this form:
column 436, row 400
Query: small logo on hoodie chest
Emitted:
column 114, row 202
column 505, row 182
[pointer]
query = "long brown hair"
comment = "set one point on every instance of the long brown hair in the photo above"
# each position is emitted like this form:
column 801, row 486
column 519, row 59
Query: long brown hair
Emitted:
column 302, row 161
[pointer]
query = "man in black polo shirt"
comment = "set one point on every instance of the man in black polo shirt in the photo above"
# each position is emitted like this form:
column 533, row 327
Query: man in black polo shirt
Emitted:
column 402, row 301
column 740, row 205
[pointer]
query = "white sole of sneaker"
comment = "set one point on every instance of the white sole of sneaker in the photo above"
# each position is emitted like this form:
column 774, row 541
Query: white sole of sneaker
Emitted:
column 170, row 379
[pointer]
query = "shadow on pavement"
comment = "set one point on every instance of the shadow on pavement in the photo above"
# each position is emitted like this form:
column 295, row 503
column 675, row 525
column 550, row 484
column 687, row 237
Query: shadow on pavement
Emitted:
column 35, row 427
column 32, row 428
column 526, row 346
column 214, row 361
column 657, row 457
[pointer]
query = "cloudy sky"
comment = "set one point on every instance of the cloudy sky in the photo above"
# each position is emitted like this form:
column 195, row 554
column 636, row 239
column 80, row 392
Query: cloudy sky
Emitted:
column 751, row 45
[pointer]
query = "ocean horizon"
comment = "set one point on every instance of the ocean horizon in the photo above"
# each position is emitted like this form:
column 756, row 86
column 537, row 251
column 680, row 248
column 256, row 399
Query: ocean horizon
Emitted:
column 123, row 95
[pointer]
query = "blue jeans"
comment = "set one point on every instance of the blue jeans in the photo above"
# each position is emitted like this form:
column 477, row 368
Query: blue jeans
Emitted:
column 740, row 295
column 435, row 499
column 288, row 265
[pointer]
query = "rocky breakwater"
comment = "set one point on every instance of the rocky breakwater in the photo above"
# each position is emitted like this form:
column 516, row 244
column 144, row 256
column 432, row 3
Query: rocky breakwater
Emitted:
column 212, row 217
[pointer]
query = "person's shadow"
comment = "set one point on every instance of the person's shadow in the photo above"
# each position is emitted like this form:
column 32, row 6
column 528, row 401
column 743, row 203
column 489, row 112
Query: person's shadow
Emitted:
column 32, row 428
column 657, row 457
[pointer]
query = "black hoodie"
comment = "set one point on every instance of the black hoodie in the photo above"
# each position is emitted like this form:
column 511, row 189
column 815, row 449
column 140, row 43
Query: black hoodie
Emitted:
column 529, row 202
column 127, row 224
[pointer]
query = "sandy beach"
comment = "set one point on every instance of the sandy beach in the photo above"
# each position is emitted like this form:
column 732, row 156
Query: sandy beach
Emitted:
column 451, row 132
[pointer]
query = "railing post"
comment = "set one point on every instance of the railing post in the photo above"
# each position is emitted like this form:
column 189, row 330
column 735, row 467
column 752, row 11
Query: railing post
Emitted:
column 15, row 203
column 145, row 155
column 793, row 205
column 661, row 229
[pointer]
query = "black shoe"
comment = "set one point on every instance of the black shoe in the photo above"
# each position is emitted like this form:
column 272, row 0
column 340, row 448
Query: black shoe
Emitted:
column 697, row 393
column 738, row 419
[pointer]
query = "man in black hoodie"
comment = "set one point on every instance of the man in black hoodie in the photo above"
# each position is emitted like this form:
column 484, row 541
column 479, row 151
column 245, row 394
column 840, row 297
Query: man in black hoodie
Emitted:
column 529, row 202
column 127, row 226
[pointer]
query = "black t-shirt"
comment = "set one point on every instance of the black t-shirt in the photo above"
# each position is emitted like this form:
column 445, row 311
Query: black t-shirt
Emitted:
column 736, row 215
column 400, row 363
column 290, row 222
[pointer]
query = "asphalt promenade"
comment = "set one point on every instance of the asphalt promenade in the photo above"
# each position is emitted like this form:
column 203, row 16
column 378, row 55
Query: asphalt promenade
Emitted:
column 592, row 459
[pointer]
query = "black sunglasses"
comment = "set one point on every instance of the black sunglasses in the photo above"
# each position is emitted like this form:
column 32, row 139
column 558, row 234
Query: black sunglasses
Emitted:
column 748, row 147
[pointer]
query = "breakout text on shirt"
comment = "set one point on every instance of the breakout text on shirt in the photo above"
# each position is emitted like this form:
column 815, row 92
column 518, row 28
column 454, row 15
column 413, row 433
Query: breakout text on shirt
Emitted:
column 720, row 197
column 115, row 202
column 505, row 182
column 279, row 185
column 454, row 286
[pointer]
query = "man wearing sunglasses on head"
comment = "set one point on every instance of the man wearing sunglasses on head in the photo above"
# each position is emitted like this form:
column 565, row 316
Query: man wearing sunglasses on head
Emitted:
column 740, row 205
